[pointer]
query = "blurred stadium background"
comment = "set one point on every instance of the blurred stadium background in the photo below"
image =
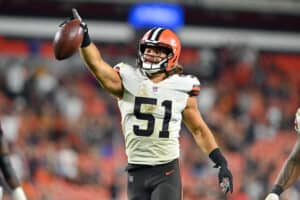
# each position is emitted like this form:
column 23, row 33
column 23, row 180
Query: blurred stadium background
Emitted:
column 64, row 130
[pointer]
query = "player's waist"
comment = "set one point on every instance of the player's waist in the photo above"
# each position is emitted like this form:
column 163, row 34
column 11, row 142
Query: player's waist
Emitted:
column 133, row 167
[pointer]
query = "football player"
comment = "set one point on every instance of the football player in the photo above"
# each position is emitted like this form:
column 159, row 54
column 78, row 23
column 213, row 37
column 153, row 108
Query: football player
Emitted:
column 8, row 171
column 153, row 99
column 290, row 171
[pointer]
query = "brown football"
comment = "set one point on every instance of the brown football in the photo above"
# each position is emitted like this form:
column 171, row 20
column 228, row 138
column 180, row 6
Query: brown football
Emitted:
column 67, row 39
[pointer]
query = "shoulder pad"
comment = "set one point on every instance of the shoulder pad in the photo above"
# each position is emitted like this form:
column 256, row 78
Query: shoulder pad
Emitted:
column 129, row 76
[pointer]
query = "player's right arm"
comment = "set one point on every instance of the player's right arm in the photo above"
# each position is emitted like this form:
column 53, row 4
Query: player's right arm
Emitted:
column 103, row 72
column 8, row 172
column 290, row 171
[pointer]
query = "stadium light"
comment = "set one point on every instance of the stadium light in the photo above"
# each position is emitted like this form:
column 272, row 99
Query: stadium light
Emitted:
column 148, row 15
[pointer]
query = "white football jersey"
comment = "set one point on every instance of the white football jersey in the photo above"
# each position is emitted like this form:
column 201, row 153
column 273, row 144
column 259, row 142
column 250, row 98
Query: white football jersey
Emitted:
column 152, row 114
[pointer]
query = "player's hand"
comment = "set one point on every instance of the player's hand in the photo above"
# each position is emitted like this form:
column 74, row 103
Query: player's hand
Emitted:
column 75, row 15
column 225, row 179
column 82, row 23
column 297, row 121
column 272, row 196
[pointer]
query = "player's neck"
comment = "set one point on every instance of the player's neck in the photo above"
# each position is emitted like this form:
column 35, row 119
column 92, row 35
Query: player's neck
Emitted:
column 157, row 77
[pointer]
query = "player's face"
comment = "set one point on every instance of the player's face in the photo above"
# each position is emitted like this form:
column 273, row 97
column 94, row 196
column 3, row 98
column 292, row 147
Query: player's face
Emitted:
column 154, row 54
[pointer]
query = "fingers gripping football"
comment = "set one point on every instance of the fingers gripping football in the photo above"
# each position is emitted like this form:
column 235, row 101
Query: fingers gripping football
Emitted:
column 272, row 196
column 69, row 37
column 77, row 16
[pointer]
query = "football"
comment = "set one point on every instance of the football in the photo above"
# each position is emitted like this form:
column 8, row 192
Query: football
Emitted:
column 67, row 39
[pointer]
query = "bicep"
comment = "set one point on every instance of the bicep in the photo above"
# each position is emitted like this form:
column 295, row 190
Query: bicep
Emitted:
column 191, row 115
column 195, row 123
column 104, row 73
column 109, row 79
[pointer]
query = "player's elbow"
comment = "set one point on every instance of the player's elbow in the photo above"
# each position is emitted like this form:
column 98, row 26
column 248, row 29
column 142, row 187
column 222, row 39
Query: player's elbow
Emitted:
column 113, row 87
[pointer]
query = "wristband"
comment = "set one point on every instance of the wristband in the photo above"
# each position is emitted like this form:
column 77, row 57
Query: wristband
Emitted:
column 217, row 157
column 277, row 189
column 86, row 40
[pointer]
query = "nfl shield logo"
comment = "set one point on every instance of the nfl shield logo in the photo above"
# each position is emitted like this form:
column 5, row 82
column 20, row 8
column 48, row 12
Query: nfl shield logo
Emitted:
column 154, row 88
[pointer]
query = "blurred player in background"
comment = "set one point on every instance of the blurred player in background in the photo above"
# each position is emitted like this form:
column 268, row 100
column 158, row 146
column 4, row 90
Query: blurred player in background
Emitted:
column 153, row 99
column 290, row 171
column 8, row 171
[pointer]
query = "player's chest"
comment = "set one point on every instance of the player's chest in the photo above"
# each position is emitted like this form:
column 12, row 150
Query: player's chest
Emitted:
column 158, row 99
column 160, row 91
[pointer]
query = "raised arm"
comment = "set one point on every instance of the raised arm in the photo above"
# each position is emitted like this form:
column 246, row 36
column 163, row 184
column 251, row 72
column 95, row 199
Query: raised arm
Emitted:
column 103, row 72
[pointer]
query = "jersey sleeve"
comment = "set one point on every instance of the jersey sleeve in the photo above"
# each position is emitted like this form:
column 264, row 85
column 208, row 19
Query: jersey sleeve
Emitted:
column 123, row 70
column 191, row 85
column 128, row 76
column 118, row 67
column 187, row 83
column 195, row 86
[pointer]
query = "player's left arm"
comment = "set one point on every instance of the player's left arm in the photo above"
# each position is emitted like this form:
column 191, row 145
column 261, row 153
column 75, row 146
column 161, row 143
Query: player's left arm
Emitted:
column 8, row 171
column 206, row 141
column 195, row 123
column 290, row 170
column 288, row 174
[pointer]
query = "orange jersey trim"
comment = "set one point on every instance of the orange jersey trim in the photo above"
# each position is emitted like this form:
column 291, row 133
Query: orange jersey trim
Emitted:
column 195, row 90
